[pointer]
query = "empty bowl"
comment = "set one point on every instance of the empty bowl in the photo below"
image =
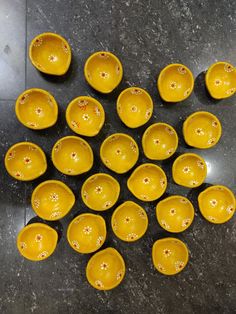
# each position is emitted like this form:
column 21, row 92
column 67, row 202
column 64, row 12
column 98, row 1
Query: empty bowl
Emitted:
column 175, row 83
column 159, row 141
column 103, row 71
column 50, row 53
column 170, row 256
column 119, row 152
column 175, row 213
column 72, row 155
column 52, row 200
column 87, row 233
column 129, row 221
column 217, row 204
column 134, row 107
column 202, row 130
column 221, row 80
column 25, row 161
column 85, row 116
column 37, row 241
column 189, row 170
column 105, row 269
column 100, row 191
column 147, row 182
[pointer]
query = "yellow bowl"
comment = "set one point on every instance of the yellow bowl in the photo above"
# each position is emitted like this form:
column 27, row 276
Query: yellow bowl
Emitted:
column 72, row 155
column 103, row 71
column 159, row 141
column 105, row 269
column 52, row 200
column 175, row 83
column 129, row 221
column 85, row 116
column 202, row 130
column 37, row 241
column 217, row 204
column 147, row 182
column 175, row 213
column 119, row 152
column 36, row 109
column 100, row 191
column 25, row 161
column 221, row 80
column 189, row 170
column 170, row 256
column 134, row 107
column 87, row 233
column 50, row 53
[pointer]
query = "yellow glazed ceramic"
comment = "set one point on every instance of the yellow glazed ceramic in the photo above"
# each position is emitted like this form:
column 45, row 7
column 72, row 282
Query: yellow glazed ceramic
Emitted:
column 221, row 80
column 37, row 241
column 36, row 109
column 86, row 233
column 72, row 155
column 175, row 213
column 100, row 191
column 85, row 116
column 175, row 83
column 103, row 71
column 202, row 130
column 119, row 152
column 170, row 256
column 134, row 107
column 189, row 170
column 217, row 204
column 147, row 182
column 159, row 141
column 105, row 269
column 129, row 221
column 50, row 54
column 52, row 200
column 25, row 161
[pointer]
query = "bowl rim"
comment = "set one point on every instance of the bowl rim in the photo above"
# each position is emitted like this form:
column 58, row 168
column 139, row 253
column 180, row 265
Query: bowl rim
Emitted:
column 95, row 54
column 59, row 183
column 117, row 210
column 30, row 226
column 42, row 91
column 200, row 196
column 94, row 101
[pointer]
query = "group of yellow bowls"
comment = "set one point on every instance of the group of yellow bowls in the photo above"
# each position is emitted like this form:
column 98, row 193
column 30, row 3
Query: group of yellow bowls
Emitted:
column 72, row 155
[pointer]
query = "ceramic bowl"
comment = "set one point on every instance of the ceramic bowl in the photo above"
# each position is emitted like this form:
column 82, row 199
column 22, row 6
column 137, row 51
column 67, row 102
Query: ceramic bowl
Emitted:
column 72, row 155
column 134, row 107
column 129, row 221
column 159, row 141
column 50, row 54
column 85, row 116
column 189, row 170
column 87, row 233
column 221, row 80
column 217, row 204
column 36, row 109
column 170, row 256
column 147, row 182
column 25, row 161
column 103, row 71
column 119, row 152
column 52, row 200
column 100, row 191
column 202, row 130
column 175, row 83
column 175, row 213
column 105, row 269
column 37, row 241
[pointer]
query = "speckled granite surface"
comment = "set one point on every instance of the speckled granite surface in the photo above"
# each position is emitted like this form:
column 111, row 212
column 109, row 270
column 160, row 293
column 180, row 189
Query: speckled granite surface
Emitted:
column 145, row 35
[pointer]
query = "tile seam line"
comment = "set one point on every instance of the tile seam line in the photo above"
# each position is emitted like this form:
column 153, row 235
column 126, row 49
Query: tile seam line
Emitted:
column 26, row 10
